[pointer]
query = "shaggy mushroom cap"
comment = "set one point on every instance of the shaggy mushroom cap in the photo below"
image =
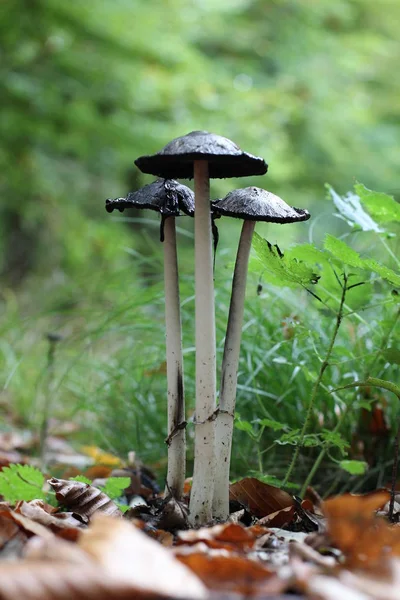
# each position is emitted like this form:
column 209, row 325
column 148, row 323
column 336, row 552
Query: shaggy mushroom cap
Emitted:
column 225, row 158
column 166, row 196
column 256, row 204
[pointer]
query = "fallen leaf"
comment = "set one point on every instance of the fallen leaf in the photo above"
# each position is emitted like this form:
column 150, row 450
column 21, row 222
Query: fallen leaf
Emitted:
column 365, row 539
column 12, row 538
column 38, row 511
column 228, row 572
column 124, row 552
column 83, row 499
column 280, row 518
column 35, row 580
column 230, row 536
column 262, row 499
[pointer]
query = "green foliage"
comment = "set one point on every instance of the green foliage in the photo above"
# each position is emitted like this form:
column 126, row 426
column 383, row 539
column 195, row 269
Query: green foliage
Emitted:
column 354, row 467
column 283, row 271
column 382, row 207
column 21, row 482
column 24, row 482
column 115, row 486
column 81, row 479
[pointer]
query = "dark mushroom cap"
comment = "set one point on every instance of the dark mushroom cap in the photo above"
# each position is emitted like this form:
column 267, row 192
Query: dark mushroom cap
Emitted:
column 225, row 159
column 166, row 196
column 256, row 204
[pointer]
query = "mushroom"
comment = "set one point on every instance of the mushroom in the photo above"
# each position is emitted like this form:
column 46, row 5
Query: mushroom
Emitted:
column 167, row 197
column 201, row 155
column 250, row 204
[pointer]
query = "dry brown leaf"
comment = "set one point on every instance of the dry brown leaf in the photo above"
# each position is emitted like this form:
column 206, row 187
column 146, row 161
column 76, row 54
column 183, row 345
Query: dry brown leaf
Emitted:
column 261, row 499
column 129, row 555
column 83, row 499
column 12, row 539
column 44, row 514
column 280, row 518
column 55, row 550
column 31, row 526
column 35, row 580
column 229, row 536
column 165, row 538
column 228, row 572
column 365, row 539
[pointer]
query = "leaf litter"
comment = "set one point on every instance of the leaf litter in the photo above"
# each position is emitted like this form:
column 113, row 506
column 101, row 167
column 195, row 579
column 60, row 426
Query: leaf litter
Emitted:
column 273, row 546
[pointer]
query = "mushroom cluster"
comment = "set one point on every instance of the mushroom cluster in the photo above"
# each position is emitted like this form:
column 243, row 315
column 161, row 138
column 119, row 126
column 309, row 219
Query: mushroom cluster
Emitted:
column 201, row 155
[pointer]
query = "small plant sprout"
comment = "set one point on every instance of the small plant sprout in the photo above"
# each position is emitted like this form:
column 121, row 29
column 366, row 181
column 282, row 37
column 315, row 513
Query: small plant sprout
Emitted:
column 202, row 155
column 250, row 204
column 168, row 197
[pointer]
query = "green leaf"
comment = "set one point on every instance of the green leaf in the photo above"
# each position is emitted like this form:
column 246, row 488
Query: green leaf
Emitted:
column 340, row 250
column 308, row 253
column 386, row 273
column 283, row 269
column 354, row 467
column 21, row 482
column 274, row 425
column 122, row 507
column 82, row 479
column 382, row 207
column 243, row 425
column 332, row 438
column 115, row 486
column 392, row 355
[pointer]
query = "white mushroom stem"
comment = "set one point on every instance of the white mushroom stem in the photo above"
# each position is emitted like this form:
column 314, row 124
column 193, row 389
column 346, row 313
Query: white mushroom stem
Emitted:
column 230, row 363
column 176, row 439
column 204, row 462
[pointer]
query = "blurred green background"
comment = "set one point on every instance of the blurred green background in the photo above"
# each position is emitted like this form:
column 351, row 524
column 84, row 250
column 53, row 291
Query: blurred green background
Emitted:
column 87, row 87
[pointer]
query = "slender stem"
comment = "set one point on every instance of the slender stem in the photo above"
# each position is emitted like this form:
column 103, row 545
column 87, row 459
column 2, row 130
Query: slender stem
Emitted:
column 382, row 347
column 230, row 362
column 321, row 455
column 176, row 439
column 314, row 392
column 204, row 460
column 44, row 427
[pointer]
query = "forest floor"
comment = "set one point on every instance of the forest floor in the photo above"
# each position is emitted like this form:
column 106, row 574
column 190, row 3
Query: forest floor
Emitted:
column 103, row 530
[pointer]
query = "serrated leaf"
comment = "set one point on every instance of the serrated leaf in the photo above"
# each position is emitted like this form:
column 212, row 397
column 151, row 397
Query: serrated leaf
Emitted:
column 284, row 270
column 332, row 438
column 354, row 467
column 292, row 437
column 309, row 253
column 352, row 212
column 115, row 486
column 382, row 207
column 340, row 250
column 82, row 479
column 21, row 482
column 386, row 273
column 274, row 425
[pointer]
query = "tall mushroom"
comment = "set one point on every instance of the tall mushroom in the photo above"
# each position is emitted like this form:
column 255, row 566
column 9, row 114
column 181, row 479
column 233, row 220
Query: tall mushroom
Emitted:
column 250, row 204
column 168, row 197
column 202, row 155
